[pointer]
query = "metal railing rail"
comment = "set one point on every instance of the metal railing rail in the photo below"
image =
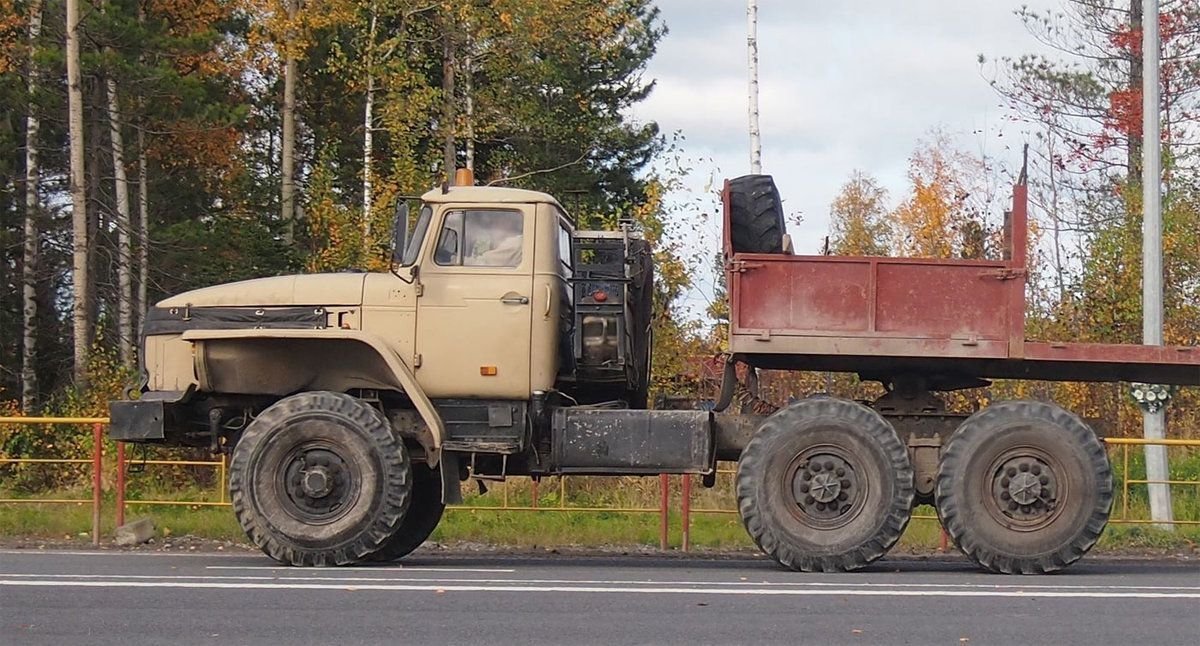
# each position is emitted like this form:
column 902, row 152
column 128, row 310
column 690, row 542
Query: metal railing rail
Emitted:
column 97, row 424
column 663, row 509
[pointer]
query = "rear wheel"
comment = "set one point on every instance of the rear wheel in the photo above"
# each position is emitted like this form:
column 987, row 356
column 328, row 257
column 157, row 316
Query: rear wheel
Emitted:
column 1024, row 487
column 423, row 515
column 825, row 485
column 755, row 215
column 319, row 479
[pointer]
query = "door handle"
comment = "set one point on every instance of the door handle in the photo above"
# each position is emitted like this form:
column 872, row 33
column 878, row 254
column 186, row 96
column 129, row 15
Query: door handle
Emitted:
column 514, row 299
column 549, row 301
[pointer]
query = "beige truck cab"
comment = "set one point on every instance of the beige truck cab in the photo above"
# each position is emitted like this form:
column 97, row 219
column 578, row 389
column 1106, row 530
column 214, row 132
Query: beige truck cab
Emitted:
column 495, row 313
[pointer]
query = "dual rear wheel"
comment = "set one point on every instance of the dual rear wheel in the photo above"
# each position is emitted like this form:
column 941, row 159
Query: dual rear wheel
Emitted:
column 827, row 485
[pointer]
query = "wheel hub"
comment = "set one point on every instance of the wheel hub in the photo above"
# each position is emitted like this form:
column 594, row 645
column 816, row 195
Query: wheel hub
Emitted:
column 1025, row 490
column 824, row 487
column 318, row 483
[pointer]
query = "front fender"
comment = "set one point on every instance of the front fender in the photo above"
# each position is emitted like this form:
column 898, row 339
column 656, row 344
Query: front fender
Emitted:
column 285, row 361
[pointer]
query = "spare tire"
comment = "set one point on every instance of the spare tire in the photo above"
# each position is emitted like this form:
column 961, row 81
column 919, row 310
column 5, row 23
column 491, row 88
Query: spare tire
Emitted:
column 641, row 312
column 755, row 215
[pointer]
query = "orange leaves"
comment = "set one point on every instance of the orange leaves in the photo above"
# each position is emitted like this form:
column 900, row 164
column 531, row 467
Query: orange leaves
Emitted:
column 12, row 37
column 1125, row 111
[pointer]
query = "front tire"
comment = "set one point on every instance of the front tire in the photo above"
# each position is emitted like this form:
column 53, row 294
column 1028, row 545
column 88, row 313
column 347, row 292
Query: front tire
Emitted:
column 825, row 485
column 1024, row 487
column 319, row 479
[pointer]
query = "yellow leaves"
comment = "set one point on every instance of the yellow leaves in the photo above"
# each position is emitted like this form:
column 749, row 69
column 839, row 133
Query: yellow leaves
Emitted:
column 858, row 218
column 946, row 186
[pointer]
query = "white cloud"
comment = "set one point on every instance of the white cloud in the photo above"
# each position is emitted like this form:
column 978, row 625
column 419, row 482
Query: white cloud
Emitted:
column 844, row 86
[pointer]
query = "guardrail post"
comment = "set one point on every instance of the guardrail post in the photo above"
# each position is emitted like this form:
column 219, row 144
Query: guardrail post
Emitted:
column 664, row 511
column 120, row 483
column 687, row 510
column 97, row 442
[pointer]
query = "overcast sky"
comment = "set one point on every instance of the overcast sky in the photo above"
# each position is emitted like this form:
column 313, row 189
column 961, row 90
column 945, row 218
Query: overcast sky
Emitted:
column 843, row 86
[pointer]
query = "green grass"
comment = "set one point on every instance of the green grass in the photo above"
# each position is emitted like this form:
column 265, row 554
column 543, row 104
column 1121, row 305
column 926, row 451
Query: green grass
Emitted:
column 548, row 528
column 517, row 529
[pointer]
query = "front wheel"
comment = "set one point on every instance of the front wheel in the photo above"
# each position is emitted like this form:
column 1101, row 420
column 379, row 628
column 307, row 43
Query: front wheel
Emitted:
column 825, row 485
column 1024, row 487
column 319, row 479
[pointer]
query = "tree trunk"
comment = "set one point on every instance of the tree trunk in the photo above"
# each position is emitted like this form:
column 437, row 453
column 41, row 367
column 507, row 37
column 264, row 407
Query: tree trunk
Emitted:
column 143, row 231
column 124, row 226
column 79, row 220
column 752, row 60
column 288, row 145
column 143, row 228
column 469, row 106
column 32, row 237
column 1133, row 159
column 449, row 151
column 368, row 132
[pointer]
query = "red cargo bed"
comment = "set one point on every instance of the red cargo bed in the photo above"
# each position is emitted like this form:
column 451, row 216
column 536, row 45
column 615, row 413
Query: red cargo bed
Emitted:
column 883, row 317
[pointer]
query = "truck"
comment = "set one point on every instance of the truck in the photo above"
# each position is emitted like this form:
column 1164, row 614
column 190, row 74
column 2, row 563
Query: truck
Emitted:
column 504, row 342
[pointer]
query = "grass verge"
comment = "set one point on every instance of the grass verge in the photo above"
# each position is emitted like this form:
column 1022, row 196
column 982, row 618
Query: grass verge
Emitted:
column 30, row 522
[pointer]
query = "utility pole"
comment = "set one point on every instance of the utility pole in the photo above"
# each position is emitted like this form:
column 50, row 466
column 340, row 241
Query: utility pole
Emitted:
column 1152, row 264
column 752, row 55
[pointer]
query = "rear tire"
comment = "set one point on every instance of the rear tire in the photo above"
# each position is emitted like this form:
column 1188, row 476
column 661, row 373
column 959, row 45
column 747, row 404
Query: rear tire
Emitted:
column 1024, row 487
column 755, row 215
column 825, row 485
column 319, row 479
column 424, row 513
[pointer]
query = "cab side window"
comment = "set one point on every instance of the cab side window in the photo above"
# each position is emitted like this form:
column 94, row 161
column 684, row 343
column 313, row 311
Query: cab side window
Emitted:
column 485, row 238
column 564, row 250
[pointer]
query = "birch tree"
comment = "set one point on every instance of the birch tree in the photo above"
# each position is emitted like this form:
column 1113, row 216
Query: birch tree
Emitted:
column 288, row 135
column 124, row 223
column 79, row 219
column 32, row 209
column 752, row 60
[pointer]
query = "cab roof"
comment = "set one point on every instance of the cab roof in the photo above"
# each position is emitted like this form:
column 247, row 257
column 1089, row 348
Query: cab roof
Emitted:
column 488, row 195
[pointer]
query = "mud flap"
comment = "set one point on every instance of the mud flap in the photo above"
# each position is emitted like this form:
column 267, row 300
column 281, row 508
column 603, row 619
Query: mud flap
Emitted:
column 451, row 486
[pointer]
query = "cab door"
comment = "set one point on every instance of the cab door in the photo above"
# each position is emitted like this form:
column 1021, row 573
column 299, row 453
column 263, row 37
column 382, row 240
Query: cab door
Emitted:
column 474, row 310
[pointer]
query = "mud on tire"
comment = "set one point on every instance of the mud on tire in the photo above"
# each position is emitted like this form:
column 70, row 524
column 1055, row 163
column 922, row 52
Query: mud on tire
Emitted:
column 1024, row 487
column 825, row 485
column 319, row 479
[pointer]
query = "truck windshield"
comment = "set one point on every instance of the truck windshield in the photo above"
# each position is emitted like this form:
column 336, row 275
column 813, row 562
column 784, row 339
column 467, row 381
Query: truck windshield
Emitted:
column 418, row 236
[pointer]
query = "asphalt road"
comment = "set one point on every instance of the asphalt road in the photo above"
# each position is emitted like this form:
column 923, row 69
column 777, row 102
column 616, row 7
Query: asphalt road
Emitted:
column 161, row 598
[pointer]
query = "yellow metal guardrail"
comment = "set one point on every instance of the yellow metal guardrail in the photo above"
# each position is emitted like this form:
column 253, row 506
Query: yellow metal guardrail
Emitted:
column 97, row 424
column 1125, row 443
column 686, row 493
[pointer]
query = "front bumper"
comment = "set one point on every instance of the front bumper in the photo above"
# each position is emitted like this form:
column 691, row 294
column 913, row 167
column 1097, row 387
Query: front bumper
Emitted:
column 142, row 420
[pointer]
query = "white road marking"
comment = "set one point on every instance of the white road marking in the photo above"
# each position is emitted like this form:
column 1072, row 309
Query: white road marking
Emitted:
column 601, row 582
column 398, row 568
column 566, row 589
column 33, row 551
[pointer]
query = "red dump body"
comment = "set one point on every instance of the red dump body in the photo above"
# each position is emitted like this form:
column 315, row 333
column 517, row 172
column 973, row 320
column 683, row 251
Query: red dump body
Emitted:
column 949, row 320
